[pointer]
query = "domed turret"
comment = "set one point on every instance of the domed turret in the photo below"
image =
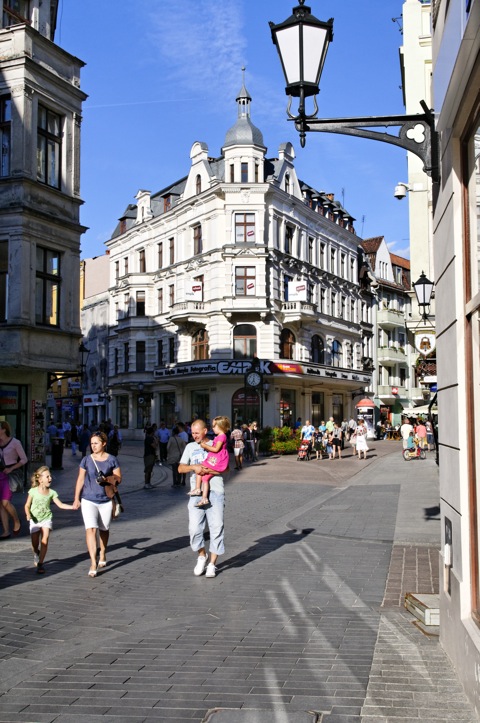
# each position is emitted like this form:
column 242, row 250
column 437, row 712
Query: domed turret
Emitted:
column 243, row 133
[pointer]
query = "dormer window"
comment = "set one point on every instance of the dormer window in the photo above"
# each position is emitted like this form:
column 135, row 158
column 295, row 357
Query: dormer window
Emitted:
column 15, row 12
column 167, row 204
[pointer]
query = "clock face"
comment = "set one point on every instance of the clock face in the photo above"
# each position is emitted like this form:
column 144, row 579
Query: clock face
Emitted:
column 253, row 379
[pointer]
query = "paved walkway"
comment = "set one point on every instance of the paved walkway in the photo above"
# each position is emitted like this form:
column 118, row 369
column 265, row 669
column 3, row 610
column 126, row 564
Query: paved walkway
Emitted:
column 304, row 621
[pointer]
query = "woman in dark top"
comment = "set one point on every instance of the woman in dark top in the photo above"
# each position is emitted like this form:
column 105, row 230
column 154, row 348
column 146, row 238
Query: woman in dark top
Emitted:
column 150, row 446
column 90, row 495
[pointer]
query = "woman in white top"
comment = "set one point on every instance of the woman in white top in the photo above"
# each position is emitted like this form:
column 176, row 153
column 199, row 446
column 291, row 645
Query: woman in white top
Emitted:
column 12, row 457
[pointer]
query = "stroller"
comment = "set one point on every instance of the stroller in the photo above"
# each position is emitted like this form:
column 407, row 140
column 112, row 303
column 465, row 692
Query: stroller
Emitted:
column 304, row 450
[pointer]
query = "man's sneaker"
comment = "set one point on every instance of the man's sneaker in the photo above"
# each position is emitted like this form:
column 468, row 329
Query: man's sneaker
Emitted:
column 35, row 559
column 147, row 486
column 200, row 566
column 211, row 570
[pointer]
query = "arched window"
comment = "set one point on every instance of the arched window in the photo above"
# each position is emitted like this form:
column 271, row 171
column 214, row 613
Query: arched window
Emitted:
column 198, row 184
column 244, row 341
column 287, row 344
column 200, row 345
column 336, row 354
column 318, row 350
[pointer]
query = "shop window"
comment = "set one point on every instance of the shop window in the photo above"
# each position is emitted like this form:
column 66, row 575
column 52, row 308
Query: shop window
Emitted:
column 244, row 341
column 287, row 344
column 288, row 414
column 336, row 354
column 200, row 404
column 122, row 411
column 5, row 135
column 49, row 147
column 47, row 287
column 317, row 354
column 318, row 408
column 167, row 204
column 244, row 228
column 200, row 349
column 244, row 281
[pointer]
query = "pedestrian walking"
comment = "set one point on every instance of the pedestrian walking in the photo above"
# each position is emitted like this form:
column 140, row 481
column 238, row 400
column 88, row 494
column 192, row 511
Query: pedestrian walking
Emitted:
column 175, row 446
column 361, row 438
column 163, row 435
column 192, row 461
column 337, row 441
column 150, row 446
column 405, row 431
column 39, row 514
column 114, row 441
column 12, row 457
column 91, row 496
column 74, row 439
column 217, row 459
column 84, row 440
column 238, row 446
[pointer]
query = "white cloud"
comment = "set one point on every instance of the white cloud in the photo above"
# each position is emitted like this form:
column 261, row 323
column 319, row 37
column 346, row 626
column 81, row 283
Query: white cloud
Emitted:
column 201, row 44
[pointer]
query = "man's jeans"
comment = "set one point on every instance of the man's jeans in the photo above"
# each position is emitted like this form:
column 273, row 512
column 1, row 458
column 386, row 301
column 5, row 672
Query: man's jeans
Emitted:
column 213, row 513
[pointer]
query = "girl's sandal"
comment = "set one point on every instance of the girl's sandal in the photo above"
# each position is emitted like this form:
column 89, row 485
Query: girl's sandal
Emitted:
column 194, row 493
column 202, row 503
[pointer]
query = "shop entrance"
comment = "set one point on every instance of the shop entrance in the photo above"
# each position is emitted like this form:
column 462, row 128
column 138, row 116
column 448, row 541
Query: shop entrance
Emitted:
column 245, row 406
column 13, row 409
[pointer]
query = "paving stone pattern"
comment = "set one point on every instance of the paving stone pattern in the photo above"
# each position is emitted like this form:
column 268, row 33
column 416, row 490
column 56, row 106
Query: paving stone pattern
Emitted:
column 292, row 629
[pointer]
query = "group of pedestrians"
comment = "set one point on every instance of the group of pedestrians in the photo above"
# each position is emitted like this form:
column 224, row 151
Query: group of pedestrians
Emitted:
column 417, row 432
column 328, row 439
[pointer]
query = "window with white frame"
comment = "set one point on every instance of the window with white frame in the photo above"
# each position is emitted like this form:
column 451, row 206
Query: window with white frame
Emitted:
column 244, row 228
column 245, row 281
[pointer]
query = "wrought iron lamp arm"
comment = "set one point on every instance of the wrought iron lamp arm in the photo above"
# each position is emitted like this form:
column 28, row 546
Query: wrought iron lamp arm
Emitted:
column 417, row 133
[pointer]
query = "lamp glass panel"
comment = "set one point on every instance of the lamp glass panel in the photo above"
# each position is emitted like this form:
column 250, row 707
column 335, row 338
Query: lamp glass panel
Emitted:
column 314, row 39
column 423, row 292
column 288, row 46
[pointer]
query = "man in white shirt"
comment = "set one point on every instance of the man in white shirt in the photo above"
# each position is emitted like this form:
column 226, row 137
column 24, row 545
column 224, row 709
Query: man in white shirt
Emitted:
column 307, row 431
column 405, row 430
column 191, row 461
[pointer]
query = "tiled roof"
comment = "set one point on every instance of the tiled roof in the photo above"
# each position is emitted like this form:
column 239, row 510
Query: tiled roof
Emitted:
column 400, row 261
column 371, row 245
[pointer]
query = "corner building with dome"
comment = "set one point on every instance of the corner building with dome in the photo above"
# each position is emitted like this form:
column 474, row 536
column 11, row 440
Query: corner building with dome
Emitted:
column 237, row 290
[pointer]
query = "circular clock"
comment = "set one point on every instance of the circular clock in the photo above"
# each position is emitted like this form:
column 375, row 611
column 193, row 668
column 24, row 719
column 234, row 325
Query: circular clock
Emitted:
column 254, row 379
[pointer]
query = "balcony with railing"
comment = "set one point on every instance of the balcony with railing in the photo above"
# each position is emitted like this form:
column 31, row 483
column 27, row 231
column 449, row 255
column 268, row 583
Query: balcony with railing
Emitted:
column 387, row 391
column 391, row 355
column 299, row 311
column 390, row 319
column 185, row 310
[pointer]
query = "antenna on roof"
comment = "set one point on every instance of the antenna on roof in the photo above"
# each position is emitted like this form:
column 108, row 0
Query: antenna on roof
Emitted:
column 363, row 223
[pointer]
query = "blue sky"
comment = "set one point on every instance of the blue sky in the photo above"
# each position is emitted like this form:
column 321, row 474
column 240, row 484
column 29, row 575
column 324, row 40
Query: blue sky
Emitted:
column 162, row 74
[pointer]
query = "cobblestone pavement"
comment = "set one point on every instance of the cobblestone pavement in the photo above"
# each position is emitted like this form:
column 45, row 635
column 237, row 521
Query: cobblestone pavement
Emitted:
column 304, row 621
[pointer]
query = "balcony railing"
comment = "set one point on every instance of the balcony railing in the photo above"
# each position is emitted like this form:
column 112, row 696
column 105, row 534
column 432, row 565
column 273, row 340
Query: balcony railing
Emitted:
column 391, row 355
column 390, row 319
column 385, row 391
column 185, row 309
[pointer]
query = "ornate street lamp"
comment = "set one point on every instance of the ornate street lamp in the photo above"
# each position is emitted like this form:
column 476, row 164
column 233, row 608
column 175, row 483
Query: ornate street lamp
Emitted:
column 302, row 42
column 423, row 291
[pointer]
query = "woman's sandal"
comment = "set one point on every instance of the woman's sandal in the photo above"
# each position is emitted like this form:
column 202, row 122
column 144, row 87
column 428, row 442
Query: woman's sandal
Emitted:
column 102, row 563
column 92, row 573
